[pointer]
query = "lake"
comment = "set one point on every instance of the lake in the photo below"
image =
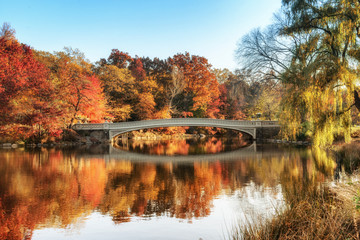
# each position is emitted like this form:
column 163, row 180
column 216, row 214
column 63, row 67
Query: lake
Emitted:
column 173, row 189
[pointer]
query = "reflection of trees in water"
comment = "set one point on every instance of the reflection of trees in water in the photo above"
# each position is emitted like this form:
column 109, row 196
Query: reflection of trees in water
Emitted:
column 300, row 180
column 38, row 189
column 182, row 146
column 51, row 188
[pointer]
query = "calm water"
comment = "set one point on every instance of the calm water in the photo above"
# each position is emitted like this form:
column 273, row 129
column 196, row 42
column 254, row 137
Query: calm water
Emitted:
column 102, row 192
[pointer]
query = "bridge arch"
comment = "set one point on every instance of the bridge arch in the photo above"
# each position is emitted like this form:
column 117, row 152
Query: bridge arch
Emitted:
column 115, row 133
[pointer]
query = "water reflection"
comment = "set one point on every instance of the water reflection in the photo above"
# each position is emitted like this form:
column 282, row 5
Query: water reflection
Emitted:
column 58, row 188
column 173, row 147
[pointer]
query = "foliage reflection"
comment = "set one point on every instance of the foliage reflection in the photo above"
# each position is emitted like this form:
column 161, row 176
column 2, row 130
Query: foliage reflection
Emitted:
column 183, row 146
column 55, row 188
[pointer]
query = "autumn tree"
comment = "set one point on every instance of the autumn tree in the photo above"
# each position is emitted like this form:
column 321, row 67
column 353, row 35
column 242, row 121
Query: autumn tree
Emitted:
column 159, row 70
column 268, row 101
column 119, row 88
column 7, row 32
column 79, row 91
column 175, row 88
column 119, row 59
column 28, row 108
column 129, row 90
column 147, row 87
column 201, row 88
column 183, row 85
column 239, row 94
column 222, row 75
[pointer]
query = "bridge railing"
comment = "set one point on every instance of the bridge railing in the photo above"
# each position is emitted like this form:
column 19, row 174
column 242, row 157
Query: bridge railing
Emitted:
column 175, row 121
column 269, row 123
column 185, row 121
column 89, row 126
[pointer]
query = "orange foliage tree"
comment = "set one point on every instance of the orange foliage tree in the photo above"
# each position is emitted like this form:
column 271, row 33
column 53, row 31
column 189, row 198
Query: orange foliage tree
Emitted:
column 28, row 109
column 181, row 86
column 78, row 90
column 201, row 90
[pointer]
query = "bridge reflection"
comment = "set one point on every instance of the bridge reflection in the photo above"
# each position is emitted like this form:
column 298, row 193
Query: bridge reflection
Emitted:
column 253, row 151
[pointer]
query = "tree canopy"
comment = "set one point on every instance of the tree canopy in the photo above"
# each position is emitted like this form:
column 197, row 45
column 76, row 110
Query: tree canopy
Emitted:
column 45, row 93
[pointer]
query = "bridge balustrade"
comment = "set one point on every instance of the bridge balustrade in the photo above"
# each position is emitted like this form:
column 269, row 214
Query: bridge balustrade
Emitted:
column 175, row 121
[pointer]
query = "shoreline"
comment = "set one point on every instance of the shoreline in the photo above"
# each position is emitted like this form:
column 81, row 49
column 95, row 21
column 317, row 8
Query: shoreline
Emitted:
column 329, row 211
column 86, row 141
column 144, row 137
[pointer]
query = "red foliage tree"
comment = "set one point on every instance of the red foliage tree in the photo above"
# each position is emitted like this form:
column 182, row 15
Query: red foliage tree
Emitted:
column 201, row 87
column 28, row 108
column 137, row 69
column 119, row 59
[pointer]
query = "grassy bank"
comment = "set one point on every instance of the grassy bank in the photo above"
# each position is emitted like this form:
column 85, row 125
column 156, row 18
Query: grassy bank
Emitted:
column 329, row 211
column 321, row 215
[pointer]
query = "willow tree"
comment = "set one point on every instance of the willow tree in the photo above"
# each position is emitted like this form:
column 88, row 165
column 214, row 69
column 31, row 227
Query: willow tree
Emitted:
column 336, row 27
column 313, row 49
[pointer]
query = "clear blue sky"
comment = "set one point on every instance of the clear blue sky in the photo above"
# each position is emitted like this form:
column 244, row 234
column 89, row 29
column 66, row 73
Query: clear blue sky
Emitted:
column 154, row 28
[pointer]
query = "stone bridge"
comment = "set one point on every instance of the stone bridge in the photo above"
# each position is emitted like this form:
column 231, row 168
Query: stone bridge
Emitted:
column 108, row 131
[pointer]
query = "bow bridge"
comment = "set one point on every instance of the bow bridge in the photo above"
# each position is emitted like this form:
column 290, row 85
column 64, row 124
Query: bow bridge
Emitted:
column 108, row 131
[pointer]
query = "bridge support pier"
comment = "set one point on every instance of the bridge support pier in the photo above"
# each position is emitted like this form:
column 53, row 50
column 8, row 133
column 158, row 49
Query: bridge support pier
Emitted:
column 267, row 132
column 94, row 136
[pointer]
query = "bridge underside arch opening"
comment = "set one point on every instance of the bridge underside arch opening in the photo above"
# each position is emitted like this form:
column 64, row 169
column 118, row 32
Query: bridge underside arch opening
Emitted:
column 247, row 133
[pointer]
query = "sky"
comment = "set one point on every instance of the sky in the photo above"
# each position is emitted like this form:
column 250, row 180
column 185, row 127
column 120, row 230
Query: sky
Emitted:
column 149, row 28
